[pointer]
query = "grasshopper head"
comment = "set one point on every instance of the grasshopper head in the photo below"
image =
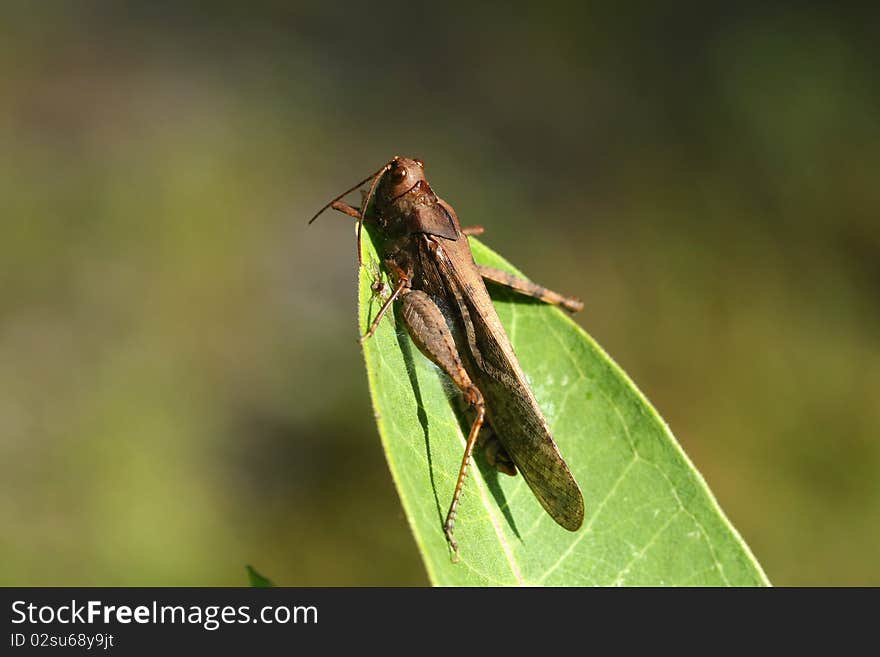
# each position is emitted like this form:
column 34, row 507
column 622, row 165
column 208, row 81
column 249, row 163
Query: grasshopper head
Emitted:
column 403, row 174
column 390, row 183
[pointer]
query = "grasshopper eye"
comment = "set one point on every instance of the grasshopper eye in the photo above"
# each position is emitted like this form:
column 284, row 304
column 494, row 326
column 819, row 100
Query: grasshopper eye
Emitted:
column 398, row 174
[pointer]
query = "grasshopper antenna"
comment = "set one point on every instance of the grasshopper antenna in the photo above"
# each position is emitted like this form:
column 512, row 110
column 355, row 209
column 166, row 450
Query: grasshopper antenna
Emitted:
column 376, row 176
column 348, row 191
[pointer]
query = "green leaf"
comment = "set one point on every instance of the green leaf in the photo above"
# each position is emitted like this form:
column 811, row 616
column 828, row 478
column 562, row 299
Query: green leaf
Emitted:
column 257, row 580
column 650, row 518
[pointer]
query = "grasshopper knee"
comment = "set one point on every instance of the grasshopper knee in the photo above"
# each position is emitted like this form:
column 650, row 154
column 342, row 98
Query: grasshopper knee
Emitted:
column 475, row 399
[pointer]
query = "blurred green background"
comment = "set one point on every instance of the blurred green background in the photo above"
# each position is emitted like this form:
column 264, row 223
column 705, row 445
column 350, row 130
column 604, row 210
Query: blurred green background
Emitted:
column 181, row 391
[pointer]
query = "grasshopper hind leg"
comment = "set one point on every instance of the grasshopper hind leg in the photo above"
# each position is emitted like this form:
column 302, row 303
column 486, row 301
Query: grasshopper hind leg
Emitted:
column 493, row 449
column 497, row 456
column 428, row 329
column 529, row 289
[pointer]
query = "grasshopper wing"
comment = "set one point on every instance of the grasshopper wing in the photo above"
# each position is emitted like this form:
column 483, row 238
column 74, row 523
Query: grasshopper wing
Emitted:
column 510, row 404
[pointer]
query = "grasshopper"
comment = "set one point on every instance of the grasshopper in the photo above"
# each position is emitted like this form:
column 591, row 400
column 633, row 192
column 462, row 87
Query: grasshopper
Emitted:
column 447, row 311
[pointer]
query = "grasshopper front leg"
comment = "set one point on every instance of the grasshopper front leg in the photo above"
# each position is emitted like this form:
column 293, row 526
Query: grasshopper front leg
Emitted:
column 428, row 329
column 345, row 208
column 402, row 284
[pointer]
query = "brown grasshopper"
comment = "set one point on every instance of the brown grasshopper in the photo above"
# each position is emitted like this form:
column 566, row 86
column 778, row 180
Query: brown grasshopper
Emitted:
column 449, row 315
